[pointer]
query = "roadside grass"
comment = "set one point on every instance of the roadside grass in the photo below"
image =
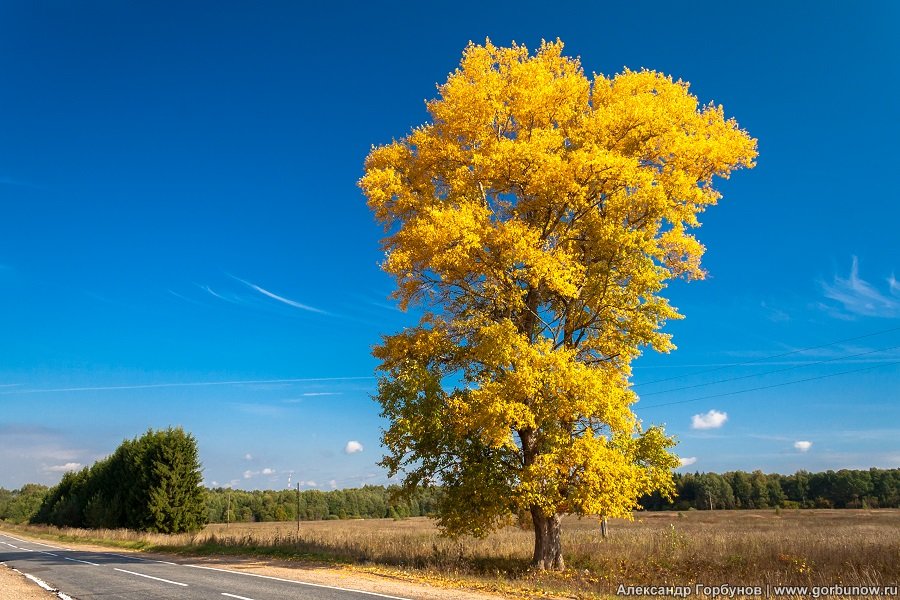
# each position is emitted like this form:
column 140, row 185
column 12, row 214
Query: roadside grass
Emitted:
column 786, row 547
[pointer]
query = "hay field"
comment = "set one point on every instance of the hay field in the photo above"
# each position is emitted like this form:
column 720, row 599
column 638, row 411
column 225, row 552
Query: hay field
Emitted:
column 786, row 547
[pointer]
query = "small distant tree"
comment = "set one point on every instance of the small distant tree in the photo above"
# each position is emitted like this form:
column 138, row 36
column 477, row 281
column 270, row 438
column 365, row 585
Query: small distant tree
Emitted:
column 796, row 487
column 776, row 493
column 759, row 489
column 537, row 220
column 742, row 489
column 18, row 506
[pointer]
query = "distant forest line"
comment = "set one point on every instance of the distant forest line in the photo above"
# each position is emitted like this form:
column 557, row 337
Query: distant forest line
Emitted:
column 873, row 488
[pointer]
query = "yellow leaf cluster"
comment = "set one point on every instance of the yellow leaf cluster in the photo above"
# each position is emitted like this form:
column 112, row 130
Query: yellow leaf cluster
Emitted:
column 537, row 218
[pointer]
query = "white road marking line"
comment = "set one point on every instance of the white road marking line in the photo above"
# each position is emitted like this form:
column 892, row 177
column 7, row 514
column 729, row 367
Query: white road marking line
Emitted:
column 238, row 597
column 152, row 577
column 81, row 561
column 12, row 537
column 142, row 559
column 318, row 585
column 44, row 585
column 38, row 581
column 67, row 558
column 164, row 562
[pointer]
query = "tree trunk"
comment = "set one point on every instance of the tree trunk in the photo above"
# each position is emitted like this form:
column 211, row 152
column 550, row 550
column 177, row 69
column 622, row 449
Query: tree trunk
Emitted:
column 547, row 542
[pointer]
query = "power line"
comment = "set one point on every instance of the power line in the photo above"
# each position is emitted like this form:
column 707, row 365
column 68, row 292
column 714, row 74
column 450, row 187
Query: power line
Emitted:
column 755, row 360
column 792, row 367
column 768, row 387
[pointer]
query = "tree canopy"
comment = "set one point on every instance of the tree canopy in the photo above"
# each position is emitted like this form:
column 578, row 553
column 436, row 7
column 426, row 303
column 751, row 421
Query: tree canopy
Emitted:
column 536, row 220
column 151, row 483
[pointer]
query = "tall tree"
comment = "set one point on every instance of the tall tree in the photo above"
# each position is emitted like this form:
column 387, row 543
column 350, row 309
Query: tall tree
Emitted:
column 177, row 501
column 536, row 220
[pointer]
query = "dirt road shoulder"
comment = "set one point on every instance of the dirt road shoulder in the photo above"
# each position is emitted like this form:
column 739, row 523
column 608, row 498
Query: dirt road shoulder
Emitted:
column 14, row 586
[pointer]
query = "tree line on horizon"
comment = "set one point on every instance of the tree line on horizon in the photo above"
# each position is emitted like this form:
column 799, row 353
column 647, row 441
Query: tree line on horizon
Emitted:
column 368, row 502
column 846, row 488
column 873, row 488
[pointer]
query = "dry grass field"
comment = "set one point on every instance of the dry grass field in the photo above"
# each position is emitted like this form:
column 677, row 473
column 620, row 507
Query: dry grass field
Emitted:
column 810, row 547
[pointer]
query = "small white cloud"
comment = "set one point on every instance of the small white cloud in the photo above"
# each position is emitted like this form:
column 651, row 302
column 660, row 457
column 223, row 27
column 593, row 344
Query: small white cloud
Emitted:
column 333, row 484
column 268, row 471
column 309, row 483
column 248, row 456
column 69, row 466
column 803, row 446
column 711, row 420
column 250, row 474
column 353, row 447
column 687, row 461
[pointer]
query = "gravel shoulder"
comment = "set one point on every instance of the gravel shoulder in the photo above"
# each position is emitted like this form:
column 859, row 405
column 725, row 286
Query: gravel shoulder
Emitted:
column 14, row 586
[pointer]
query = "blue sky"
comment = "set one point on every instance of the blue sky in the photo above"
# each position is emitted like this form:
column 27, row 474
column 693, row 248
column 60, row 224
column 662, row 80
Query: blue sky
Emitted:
column 182, row 241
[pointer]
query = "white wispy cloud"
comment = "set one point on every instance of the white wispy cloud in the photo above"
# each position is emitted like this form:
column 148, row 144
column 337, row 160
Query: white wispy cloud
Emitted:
column 260, row 410
column 281, row 299
column 268, row 471
column 776, row 315
column 858, row 297
column 4, row 180
column 803, row 446
column 353, row 447
column 69, row 466
column 147, row 386
column 687, row 461
column 216, row 294
column 710, row 420
column 248, row 474
column 190, row 300
column 248, row 456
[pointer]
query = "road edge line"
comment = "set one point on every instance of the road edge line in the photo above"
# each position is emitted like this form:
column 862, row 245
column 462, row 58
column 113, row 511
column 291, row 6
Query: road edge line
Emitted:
column 294, row 581
column 151, row 577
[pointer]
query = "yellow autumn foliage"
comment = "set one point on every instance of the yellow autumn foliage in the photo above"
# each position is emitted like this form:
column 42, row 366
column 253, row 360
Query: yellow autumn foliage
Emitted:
column 536, row 220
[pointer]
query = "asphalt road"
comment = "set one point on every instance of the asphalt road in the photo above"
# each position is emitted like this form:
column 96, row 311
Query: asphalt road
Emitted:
column 82, row 575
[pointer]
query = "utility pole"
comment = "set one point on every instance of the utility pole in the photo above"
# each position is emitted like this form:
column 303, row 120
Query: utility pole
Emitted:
column 298, row 509
column 228, row 510
column 709, row 496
